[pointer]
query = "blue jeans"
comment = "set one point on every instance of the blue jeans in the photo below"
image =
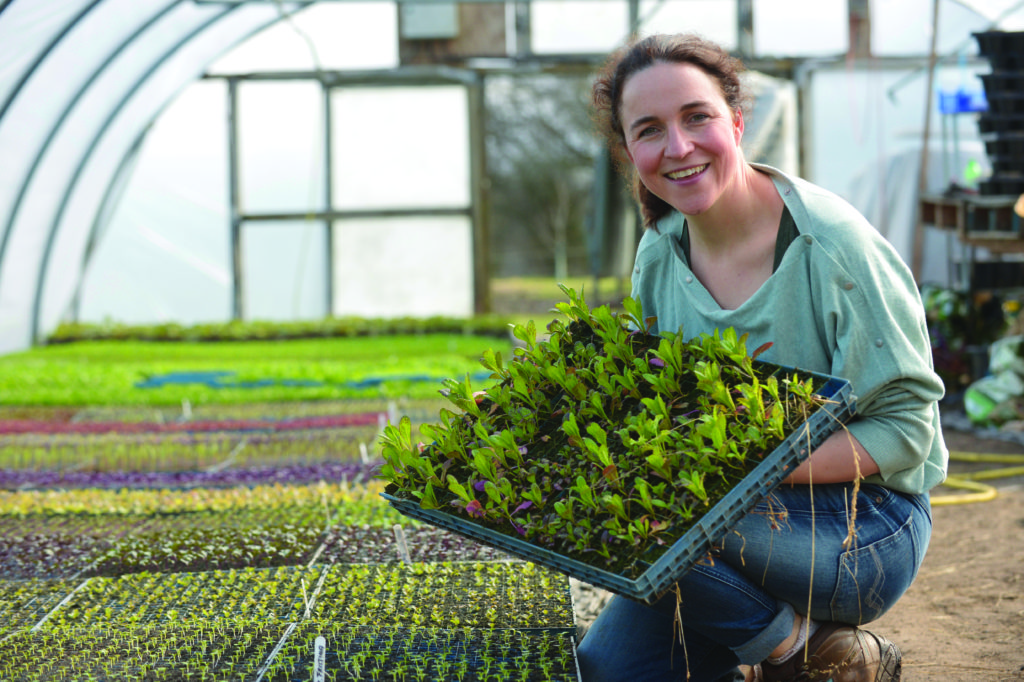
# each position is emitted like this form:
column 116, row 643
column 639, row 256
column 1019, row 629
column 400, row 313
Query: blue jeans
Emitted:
column 738, row 604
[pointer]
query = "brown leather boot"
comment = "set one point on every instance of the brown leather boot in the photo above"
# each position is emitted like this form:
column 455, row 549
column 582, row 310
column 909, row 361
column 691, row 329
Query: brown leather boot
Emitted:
column 840, row 653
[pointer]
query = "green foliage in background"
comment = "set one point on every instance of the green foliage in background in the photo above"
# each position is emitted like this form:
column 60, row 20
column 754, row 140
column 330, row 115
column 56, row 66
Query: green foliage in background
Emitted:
column 258, row 330
column 106, row 372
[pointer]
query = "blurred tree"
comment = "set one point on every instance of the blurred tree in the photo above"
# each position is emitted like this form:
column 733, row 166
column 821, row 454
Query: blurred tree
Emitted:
column 540, row 154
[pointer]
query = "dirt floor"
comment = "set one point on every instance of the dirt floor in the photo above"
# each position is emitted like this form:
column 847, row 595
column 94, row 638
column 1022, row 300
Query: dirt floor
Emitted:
column 963, row 618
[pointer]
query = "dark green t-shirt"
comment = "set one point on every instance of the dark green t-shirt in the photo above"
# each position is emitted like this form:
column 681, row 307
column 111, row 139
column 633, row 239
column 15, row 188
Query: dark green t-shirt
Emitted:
column 787, row 233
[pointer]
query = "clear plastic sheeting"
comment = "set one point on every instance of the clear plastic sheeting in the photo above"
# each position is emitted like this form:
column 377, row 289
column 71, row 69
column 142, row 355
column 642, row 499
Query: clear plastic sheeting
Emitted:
column 403, row 266
column 280, row 141
column 292, row 286
column 80, row 84
column 108, row 213
column 164, row 254
column 430, row 166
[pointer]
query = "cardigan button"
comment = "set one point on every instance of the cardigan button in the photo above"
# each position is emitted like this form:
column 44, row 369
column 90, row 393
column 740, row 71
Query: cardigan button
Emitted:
column 808, row 239
column 848, row 285
column 689, row 279
column 879, row 343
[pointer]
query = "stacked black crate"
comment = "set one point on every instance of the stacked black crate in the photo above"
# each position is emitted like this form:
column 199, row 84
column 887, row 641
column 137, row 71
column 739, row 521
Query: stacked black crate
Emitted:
column 1003, row 124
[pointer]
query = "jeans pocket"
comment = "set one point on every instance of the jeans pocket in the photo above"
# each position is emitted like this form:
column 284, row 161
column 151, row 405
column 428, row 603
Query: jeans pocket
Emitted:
column 873, row 577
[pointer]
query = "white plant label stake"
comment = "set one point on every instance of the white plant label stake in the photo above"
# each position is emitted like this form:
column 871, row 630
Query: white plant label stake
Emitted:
column 403, row 547
column 319, row 659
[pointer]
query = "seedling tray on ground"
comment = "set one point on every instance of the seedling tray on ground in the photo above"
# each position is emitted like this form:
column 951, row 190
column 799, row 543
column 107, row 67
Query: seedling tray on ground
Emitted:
column 425, row 653
column 654, row 579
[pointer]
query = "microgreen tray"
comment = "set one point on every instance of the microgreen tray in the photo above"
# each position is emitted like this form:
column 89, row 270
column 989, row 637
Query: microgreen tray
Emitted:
column 654, row 579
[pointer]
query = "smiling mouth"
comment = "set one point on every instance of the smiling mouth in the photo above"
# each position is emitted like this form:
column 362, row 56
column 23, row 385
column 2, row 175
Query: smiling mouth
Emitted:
column 681, row 174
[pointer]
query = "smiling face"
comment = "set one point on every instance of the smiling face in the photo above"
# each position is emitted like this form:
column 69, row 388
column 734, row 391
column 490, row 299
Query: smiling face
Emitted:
column 681, row 136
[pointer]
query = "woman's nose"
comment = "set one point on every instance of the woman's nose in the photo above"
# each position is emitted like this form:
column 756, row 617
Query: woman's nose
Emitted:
column 679, row 143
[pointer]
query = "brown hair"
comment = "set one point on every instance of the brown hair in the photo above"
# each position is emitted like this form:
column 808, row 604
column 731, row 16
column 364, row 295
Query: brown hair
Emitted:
column 637, row 56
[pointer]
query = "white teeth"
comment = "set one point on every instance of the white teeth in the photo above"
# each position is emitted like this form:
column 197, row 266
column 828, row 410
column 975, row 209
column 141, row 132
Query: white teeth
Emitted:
column 679, row 175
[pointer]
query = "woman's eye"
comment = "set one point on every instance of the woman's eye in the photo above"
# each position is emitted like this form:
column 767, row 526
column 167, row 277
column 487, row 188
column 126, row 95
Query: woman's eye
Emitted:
column 699, row 118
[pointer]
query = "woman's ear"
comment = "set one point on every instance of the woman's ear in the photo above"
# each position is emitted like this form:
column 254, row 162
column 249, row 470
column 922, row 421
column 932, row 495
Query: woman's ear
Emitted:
column 737, row 124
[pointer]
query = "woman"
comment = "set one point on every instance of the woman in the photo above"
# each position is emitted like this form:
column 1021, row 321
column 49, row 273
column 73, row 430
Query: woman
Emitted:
column 733, row 244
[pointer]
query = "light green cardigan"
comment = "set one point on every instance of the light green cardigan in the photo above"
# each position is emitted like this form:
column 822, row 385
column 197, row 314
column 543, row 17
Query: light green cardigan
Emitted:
column 842, row 302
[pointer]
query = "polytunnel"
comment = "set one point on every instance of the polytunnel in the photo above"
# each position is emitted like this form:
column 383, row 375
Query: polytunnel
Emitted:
column 81, row 81
column 84, row 82
column 81, row 85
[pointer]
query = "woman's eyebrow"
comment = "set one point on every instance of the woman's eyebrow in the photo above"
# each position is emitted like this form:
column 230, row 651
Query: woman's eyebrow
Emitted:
column 643, row 120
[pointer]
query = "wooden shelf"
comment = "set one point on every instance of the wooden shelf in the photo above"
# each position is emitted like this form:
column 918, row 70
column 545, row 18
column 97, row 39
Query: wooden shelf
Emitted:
column 984, row 221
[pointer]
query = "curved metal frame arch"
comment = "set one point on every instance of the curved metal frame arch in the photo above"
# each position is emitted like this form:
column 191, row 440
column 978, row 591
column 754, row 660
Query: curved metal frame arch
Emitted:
column 122, row 166
column 105, row 205
column 58, row 216
column 6, row 235
column 42, row 55
column 19, row 197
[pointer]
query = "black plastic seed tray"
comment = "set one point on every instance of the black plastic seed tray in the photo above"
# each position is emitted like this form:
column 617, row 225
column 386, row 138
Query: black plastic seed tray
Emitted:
column 1004, row 164
column 1003, row 49
column 1011, row 145
column 999, row 82
column 1001, row 124
column 1006, row 152
column 1002, row 184
column 653, row 580
column 1006, row 103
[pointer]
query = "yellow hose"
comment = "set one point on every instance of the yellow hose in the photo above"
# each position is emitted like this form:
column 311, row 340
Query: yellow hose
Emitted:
column 981, row 492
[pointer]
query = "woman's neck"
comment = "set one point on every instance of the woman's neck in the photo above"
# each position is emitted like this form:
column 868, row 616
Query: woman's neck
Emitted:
column 749, row 206
column 732, row 248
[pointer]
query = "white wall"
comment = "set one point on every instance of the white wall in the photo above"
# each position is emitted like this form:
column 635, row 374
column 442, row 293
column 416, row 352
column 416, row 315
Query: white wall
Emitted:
column 863, row 141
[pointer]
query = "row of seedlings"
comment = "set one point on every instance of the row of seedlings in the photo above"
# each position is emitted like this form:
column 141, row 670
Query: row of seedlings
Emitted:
column 163, row 625
column 109, row 571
